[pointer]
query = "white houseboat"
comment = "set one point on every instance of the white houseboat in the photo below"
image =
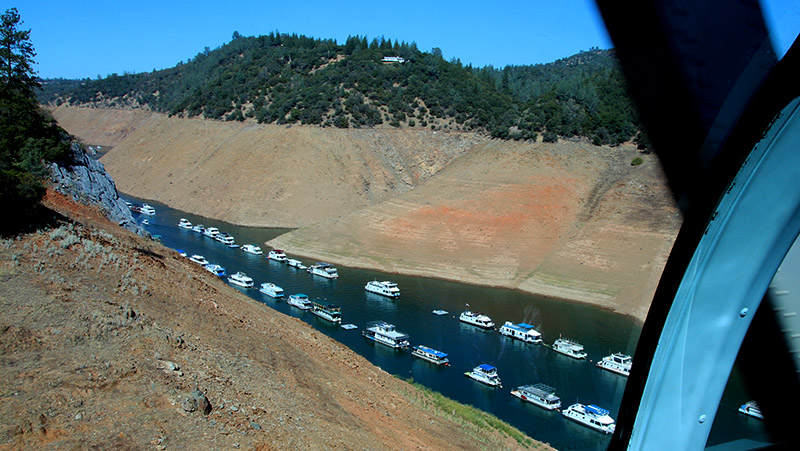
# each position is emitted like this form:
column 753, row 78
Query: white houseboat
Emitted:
column 252, row 249
column 185, row 224
column 277, row 255
column 241, row 279
column 294, row 263
column 476, row 319
column 385, row 288
column 225, row 238
column 211, row 232
column 521, row 331
column 431, row 355
column 324, row 269
column 270, row 289
column 385, row 333
column 199, row 259
column 569, row 348
column 300, row 301
column 330, row 312
column 199, row 228
column 595, row 417
column 751, row 408
column 485, row 373
column 617, row 363
column 147, row 209
column 216, row 269
column 541, row 395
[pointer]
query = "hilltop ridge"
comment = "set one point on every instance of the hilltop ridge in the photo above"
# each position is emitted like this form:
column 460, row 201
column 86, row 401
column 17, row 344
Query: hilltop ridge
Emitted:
column 291, row 79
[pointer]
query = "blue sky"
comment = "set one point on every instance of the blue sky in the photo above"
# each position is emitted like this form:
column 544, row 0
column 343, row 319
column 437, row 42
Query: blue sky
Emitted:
column 89, row 38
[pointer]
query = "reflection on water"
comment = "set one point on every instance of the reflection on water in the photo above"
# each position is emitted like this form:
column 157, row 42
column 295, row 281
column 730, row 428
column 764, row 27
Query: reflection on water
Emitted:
column 518, row 363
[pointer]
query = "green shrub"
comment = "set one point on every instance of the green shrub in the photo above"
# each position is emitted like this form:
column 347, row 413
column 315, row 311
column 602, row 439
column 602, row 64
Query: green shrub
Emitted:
column 637, row 161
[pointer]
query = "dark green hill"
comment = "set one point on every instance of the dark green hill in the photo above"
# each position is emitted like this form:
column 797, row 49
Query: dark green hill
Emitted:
column 284, row 79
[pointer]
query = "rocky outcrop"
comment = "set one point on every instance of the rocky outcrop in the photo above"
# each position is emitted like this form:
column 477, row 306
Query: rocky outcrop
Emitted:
column 86, row 181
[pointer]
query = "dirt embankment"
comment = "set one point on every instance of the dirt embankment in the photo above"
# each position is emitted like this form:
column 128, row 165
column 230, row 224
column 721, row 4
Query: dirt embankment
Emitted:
column 567, row 220
column 108, row 340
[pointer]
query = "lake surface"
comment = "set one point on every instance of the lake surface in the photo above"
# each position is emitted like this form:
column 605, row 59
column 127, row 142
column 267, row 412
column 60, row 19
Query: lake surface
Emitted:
column 601, row 332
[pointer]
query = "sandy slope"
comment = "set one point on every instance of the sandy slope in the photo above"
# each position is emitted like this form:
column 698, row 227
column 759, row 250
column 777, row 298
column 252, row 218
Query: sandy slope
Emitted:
column 568, row 220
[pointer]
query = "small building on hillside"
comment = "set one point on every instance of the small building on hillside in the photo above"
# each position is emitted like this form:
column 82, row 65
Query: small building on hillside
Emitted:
column 393, row 59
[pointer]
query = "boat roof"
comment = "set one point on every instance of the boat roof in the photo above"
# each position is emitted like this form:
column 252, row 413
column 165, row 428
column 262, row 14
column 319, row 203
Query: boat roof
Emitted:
column 439, row 354
column 487, row 367
column 522, row 327
column 596, row 410
column 300, row 295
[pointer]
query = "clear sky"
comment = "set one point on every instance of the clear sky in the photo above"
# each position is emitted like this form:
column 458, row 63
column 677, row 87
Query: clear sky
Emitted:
column 87, row 38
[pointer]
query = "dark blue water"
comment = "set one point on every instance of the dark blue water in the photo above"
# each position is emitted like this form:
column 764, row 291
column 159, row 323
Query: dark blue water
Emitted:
column 601, row 332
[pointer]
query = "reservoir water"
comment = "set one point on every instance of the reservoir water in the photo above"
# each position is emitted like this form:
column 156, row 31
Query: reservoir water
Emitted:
column 601, row 332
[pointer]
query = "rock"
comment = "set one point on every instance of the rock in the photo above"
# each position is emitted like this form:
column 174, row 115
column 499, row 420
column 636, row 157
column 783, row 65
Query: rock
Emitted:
column 86, row 181
column 255, row 426
column 196, row 401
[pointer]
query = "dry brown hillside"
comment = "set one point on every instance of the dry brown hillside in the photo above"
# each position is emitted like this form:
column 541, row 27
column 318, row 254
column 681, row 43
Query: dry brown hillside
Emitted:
column 111, row 341
column 568, row 220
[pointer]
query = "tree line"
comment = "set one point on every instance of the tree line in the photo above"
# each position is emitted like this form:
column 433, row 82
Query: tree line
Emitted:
column 289, row 78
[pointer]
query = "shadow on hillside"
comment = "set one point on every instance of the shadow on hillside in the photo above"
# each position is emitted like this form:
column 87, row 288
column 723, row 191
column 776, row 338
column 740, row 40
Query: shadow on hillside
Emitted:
column 37, row 218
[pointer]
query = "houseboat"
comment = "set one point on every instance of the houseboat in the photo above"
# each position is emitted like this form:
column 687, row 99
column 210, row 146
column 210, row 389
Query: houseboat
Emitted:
column 252, row 249
column 215, row 269
column 270, row 289
column 211, row 232
column 476, row 319
column 147, row 210
column 199, row 259
column 324, row 269
column 439, row 312
column 521, row 331
column 198, row 228
column 431, row 355
column 486, row 374
column 751, row 408
column 541, row 395
column 296, row 264
column 300, row 301
column 385, row 333
column 592, row 416
column 330, row 312
column 185, row 224
column 569, row 348
column 617, row 363
column 277, row 255
column 384, row 288
column 241, row 279
column 225, row 238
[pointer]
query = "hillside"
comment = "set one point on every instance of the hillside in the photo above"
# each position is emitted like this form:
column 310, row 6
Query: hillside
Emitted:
column 569, row 219
column 112, row 341
column 289, row 79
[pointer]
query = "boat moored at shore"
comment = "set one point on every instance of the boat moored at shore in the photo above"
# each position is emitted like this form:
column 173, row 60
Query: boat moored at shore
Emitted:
column 146, row 209
column 486, row 374
column 592, row 416
column 270, row 289
column 185, row 224
column 385, row 288
column 225, row 238
column 294, row 263
column 324, row 269
column 199, row 228
column 541, row 395
column 199, row 259
column 616, row 363
column 751, row 408
column 252, row 249
column 241, row 279
column 211, row 232
column 277, row 255
column 330, row 312
column 476, row 319
column 521, row 331
column 431, row 355
column 300, row 301
column 569, row 348
column 215, row 269
column 386, row 334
